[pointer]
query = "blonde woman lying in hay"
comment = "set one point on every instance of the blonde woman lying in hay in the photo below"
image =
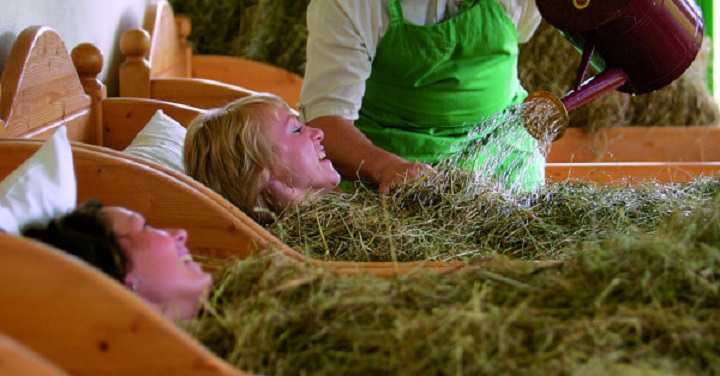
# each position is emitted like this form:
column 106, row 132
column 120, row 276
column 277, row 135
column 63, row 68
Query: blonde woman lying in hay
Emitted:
column 257, row 154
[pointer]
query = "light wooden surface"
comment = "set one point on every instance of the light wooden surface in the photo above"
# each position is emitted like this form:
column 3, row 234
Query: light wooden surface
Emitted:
column 41, row 90
column 631, row 172
column 18, row 360
column 88, row 324
column 160, row 64
column 250, row 74
column 638, row 144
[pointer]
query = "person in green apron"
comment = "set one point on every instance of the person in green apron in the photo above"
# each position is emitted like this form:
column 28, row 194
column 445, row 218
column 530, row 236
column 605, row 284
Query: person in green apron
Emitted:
column 397, row 86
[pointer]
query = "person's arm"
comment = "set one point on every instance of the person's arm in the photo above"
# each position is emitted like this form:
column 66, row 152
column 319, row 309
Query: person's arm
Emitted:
column 342, row 40
column 354, row 155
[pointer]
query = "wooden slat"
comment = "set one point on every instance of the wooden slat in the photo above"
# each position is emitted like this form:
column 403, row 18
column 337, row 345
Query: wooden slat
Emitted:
column 123, row 118
column 250, row 74
column 631, row 172
column 196, row 92
column 40, row 86
column 170, row 56
column 638, row 144
column 167, row 58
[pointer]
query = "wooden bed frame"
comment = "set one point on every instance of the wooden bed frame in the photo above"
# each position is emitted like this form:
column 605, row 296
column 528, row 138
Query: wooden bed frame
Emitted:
column 160, row 64
column 16, row 359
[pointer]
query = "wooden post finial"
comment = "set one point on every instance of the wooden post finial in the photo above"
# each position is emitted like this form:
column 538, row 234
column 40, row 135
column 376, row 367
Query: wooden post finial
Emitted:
column 184, row 27
column 135, row 70
column 135, row 43
column 88, row 60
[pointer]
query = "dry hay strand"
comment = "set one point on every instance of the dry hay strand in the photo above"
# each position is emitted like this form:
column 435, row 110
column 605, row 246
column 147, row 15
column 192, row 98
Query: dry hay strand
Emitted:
column 220, row 27
column 279, row 34
column 634, row 304
column 270, row 31
column 454, row 215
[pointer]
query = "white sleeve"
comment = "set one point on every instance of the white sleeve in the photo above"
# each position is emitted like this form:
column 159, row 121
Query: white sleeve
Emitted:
column 342, row 39
column 525, row 15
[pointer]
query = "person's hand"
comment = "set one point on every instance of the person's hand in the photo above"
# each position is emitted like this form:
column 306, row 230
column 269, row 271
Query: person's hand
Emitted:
column 394, row 173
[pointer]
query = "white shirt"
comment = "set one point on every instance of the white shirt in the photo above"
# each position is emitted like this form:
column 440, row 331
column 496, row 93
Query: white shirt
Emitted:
column 343, row 36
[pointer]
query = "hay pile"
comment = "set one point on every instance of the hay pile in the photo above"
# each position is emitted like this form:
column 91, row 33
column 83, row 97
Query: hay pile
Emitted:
column 456, row 216
column 271, row 31
column 274, row 31
column 637, row 302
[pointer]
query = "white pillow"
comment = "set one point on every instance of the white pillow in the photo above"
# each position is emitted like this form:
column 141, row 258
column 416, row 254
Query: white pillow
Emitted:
column 160, row 141
column 41, row 188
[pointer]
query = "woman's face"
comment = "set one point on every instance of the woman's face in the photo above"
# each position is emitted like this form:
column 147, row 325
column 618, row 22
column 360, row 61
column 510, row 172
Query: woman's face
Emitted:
column 298, row 148
column 161, row 268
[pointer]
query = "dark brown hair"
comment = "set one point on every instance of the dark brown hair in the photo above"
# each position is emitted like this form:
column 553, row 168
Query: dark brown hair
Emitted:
column 86, row 234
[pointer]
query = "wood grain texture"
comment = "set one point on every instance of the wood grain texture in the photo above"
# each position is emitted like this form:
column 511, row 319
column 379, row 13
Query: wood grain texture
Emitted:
column 161, row 52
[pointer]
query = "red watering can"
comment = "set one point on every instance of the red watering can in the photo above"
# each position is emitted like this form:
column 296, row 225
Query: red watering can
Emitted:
column 638, row 46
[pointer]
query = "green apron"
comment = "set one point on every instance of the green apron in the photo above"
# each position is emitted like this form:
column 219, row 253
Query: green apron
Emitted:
column 435, row 91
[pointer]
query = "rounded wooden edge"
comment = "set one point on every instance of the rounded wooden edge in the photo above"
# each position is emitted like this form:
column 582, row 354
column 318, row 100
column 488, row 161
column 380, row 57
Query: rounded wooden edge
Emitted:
column 78, row 318
column 17, row 359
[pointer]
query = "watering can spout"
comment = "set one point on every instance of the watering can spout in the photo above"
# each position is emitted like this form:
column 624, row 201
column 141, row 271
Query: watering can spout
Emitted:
column 638, row 46
column 544, row 116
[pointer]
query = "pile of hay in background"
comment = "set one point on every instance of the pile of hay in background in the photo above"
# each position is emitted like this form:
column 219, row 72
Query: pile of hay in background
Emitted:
column 274, row 31
column 271, row 31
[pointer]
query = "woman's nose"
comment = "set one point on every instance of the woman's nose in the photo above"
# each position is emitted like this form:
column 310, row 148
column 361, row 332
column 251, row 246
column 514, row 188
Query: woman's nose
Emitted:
column 179, row 235
column 316, row 134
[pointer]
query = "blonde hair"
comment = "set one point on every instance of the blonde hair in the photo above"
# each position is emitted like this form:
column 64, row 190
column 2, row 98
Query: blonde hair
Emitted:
column 228, row 150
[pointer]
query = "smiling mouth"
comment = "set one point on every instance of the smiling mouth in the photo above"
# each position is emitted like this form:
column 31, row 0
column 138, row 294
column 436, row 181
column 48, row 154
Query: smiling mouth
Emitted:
column 321, row 156
column 186, row 258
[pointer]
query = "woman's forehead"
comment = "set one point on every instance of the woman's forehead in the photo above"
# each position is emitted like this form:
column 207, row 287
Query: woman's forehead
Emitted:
column 121, row 218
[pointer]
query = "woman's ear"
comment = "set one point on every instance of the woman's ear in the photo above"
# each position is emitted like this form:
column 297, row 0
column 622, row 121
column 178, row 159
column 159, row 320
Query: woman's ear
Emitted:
column 131, row 282
column 279, row 190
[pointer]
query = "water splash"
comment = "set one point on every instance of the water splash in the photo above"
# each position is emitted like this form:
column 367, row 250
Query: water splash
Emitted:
column 503, row 155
